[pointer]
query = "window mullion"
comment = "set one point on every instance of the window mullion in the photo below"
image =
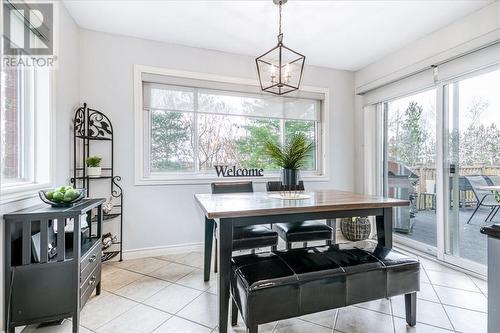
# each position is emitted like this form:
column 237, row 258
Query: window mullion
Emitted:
column 31, row 127
column 21, row 104
column 147, row 143
column 282, row 124
column 195, row 132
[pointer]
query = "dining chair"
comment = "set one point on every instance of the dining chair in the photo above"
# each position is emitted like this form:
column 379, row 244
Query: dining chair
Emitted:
column 299, row 232
column 484, row 198
column 248, row 237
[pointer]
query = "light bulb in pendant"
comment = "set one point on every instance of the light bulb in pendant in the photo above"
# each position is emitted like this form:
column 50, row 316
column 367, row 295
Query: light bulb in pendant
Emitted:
column 287, row 73
column 273, row 74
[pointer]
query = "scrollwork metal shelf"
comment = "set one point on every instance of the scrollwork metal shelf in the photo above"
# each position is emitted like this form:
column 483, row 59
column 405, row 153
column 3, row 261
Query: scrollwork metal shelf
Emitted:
column 92, row 125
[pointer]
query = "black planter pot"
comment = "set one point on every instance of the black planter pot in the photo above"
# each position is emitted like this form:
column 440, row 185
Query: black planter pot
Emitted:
column 289, row 178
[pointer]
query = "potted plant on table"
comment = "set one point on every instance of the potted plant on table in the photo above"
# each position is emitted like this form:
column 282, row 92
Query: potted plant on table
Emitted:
column 94, row 166
column 290, row 157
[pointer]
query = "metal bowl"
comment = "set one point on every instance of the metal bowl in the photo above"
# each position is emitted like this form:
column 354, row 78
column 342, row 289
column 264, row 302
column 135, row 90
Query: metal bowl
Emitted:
column 43, row 196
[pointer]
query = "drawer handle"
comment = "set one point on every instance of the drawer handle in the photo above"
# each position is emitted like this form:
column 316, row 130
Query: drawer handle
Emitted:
column 92, row 258
column 92, row 280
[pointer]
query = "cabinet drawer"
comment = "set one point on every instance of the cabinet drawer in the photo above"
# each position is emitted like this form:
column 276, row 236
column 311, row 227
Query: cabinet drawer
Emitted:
column 91, row 259
column 89, row 285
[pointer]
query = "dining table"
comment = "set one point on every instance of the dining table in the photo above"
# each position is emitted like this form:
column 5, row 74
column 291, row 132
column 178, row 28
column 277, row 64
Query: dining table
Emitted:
column 231, row 210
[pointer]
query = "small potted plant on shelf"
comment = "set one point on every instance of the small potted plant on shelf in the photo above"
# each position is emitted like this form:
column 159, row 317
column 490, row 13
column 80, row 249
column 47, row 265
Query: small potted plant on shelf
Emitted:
column 94, row 166
column 290, row 158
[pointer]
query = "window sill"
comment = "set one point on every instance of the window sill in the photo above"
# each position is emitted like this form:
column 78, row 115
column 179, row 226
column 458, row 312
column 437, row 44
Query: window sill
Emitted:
column 204, row 180
column 21, row 192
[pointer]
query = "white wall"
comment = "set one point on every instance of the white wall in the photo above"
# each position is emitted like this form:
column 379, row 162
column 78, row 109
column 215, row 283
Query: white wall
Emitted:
column 66, row 99
column 67, row 94
column 468, row 32
column 161, row 216
column 479, row 28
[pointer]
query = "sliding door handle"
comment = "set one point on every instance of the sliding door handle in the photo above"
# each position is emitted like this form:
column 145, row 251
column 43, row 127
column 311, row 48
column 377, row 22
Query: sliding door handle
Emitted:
column 453, row 169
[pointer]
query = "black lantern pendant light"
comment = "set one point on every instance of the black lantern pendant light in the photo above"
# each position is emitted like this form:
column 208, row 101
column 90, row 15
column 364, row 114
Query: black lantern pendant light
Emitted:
column 280, row 69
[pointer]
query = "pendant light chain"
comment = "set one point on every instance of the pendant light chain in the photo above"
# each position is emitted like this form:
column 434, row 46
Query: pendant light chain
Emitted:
column 280, row 34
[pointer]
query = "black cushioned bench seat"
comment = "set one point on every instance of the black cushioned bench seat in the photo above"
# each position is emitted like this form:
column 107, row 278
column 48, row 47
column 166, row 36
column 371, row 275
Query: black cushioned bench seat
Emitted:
column 276, row 285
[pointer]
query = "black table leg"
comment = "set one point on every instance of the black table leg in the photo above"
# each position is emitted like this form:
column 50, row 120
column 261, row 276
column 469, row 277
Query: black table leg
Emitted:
column 332, row 223
column 384, row 228
column 209, row 237
column 225, row 236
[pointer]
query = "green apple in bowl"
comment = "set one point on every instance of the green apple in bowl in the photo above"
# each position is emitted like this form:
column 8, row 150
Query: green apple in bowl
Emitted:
column 63, row 196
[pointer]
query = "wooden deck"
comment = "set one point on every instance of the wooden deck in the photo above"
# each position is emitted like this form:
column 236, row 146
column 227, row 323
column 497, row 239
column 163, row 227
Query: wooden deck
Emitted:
column 472, row 243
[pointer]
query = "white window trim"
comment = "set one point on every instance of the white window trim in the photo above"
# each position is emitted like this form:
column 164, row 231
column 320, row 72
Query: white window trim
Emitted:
column 178, row 179
column 27, row 190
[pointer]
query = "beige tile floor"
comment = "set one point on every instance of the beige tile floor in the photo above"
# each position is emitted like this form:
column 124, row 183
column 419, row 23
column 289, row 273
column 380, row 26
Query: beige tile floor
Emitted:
column 167, row 294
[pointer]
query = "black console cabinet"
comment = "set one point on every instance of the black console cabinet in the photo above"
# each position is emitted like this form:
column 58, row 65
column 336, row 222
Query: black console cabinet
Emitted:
column 52, row 262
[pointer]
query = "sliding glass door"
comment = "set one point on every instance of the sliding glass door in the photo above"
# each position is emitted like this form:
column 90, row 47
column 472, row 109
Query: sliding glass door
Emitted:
column 472, row 163
column 410, row 165
column 441, row 151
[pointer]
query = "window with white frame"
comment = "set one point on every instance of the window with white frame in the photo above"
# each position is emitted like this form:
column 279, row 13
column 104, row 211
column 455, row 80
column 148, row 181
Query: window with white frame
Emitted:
column 24, row 128
column 191, row 128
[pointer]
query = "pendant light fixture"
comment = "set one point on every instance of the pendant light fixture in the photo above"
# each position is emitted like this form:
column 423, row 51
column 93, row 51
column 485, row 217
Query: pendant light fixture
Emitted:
column 280, row 69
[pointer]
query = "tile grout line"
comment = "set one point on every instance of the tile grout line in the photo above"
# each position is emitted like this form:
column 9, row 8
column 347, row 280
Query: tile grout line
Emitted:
column 442, row 306
column 154, row 277
column 87, row 328
column 471, row 291
column 186, row 319
column 163, row 322
column 275, row 327
column 392, row 315
column 114, row 292
column 427, row 324
column 190, row 319
column 142, row 302
column 372, row 310
column 335, row 319
column 107, row 322
column 477, row 286
column 452, row 305
column 462, row 308
column 310, row 322
column 172, row 315
column 176, row 262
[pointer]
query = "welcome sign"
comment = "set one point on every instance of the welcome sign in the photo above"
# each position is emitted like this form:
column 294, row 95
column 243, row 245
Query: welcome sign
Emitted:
column 226, row 171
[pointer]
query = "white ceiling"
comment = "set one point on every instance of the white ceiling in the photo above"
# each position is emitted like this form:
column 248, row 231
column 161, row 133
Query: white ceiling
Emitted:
column 338, row 34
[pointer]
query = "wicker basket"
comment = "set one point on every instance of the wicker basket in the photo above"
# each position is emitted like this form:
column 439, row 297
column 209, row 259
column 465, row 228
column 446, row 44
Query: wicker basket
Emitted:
column 355, row 229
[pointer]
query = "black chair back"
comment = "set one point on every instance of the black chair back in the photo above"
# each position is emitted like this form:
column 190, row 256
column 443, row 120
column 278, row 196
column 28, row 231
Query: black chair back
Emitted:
column 277, row 186
column 231, row 187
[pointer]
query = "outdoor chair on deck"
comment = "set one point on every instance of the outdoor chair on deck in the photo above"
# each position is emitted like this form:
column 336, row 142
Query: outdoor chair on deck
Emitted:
column 494, row 180
column 484, row 198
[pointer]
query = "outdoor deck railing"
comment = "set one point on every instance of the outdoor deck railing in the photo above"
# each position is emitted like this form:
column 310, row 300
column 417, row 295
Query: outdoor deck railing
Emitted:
column 427, row 180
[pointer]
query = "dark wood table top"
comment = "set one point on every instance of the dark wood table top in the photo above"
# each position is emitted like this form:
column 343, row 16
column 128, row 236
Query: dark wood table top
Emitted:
column 260, row 204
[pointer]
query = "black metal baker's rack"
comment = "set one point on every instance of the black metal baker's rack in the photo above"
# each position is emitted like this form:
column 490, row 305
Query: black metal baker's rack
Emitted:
column 91, row 126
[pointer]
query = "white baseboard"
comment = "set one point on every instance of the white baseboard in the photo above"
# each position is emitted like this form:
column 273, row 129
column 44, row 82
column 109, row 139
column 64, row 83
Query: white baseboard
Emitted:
column 161, row 250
